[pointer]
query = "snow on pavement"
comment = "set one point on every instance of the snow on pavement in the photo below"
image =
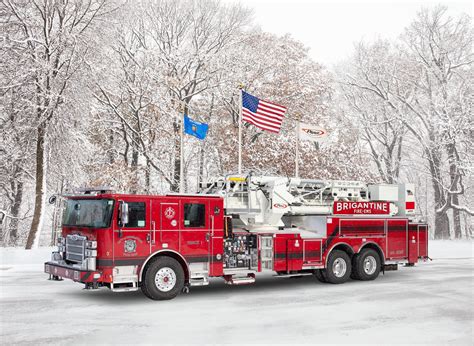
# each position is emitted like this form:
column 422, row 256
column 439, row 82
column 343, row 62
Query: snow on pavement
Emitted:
column 431, row 303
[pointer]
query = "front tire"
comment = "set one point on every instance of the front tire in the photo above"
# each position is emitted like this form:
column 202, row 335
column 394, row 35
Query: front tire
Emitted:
column 366, row 265
column 338, row 268
column 318, row 273
column 164, row 279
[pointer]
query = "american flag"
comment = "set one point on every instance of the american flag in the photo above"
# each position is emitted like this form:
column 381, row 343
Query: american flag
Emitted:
column 263, row 114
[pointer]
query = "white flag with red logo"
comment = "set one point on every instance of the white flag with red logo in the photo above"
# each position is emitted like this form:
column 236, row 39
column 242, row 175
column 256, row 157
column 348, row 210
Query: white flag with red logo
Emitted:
column 312, row 133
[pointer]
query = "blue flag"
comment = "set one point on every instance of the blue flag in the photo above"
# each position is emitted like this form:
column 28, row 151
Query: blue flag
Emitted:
column 195, row 128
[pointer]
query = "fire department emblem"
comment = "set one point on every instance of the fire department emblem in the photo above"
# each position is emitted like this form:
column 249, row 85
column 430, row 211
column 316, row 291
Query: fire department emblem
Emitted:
column 130, row 245
column 170, row 213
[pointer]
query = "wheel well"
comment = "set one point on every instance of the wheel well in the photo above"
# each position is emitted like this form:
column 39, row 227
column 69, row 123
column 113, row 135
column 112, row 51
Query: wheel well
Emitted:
column 375, row 247
column 171, row 254
column 343, row 247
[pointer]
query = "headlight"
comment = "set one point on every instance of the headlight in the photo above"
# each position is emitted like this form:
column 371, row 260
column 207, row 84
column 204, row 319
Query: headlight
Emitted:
column 91, row 244
column 56, row 256
column 91, row 253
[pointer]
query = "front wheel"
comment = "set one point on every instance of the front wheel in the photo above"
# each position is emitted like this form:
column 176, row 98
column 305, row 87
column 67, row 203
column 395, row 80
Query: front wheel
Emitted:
column 164, row 279
column 338, row 268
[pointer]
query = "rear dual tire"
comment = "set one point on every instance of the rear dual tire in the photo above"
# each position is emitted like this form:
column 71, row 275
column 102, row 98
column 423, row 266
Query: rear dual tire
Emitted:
column 366, row 265
column 338, row 269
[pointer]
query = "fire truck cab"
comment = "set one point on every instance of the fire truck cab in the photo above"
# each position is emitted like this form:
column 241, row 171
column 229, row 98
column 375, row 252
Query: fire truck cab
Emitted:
column 237, row 227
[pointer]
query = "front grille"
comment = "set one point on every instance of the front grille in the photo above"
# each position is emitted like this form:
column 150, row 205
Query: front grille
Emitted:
column 75, row 248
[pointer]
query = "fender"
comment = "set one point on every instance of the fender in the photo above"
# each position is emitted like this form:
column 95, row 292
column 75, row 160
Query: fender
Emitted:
column 332, row 248
column 377, row 246
column 156, row 253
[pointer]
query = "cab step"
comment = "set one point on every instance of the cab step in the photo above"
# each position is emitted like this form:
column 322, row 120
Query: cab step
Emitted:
column 124, row 287
column 242, row 280
column 199, row 281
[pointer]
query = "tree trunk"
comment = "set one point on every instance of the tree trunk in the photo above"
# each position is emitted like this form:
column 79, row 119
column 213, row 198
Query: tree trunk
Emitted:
column 456, row 218
column 39, row 188
column 110, row 152
column 454, row 177
column 147, row 176
column 442, row 226
column 177, row 154
column 441, row 219
column 15, row 212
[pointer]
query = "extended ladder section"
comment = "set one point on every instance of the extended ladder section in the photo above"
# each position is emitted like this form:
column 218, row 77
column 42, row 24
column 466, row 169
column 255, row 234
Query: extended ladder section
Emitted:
column 262, row 201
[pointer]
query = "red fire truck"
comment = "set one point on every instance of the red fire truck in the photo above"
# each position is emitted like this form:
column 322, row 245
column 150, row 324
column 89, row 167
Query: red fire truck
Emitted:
column 236, row 227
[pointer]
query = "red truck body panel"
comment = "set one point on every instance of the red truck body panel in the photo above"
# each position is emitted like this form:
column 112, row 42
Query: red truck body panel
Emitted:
column 164, row 232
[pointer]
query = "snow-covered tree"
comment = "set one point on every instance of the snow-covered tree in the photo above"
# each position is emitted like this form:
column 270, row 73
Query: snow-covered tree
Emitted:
column 425, row 82
column 49, row 39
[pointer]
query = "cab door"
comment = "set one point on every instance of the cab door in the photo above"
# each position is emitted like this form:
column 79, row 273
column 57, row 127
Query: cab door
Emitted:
column 130, row 240
column 166, row 215
column 195, row 232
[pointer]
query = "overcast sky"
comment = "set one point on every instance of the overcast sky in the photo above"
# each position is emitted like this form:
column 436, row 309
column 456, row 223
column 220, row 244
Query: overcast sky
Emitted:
column 330, row 27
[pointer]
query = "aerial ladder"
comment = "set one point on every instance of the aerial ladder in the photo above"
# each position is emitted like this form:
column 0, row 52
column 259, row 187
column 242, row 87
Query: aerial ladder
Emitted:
column 260, row 202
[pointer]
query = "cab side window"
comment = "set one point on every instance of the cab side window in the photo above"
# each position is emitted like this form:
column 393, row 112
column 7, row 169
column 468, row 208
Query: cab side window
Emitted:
column 194, row 215
column 136, row 214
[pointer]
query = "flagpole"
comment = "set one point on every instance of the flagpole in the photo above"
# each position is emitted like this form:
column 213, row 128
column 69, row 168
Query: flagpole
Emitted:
column 181, row 154
column 297, row 156
column 240, row 128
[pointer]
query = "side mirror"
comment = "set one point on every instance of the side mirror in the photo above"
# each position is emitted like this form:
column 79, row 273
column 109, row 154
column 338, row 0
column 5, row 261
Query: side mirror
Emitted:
column 123, row 213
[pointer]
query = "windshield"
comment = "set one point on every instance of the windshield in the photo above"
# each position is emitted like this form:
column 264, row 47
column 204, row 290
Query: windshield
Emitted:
column 88, row 212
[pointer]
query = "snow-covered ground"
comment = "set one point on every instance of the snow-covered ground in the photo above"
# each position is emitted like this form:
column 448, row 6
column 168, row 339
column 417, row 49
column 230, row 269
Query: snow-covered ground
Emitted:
column 431, row 303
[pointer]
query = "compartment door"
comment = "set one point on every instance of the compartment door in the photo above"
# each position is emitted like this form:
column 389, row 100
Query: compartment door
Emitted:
column 397, row 239
column 422, row 240
column 295, row 254
column 413, row 243
column 216, row 254
column 312, row 251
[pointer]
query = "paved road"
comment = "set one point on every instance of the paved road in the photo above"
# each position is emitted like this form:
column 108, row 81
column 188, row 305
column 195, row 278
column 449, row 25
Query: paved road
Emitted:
column 431, row 303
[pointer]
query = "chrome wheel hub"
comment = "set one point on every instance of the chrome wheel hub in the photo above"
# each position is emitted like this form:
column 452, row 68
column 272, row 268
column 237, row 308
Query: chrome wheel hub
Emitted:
column 370, row 265
column 165, row 279
column 339, row 267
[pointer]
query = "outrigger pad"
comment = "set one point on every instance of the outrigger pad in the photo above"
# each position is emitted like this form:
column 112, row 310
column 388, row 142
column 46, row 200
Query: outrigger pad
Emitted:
column 55, row 278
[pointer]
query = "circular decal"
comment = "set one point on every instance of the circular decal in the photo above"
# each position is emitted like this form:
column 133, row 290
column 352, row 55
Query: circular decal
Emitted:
column 170, row 213
column 173, row 223
column 130, row 245
column 280, row 205
column 218, row 256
